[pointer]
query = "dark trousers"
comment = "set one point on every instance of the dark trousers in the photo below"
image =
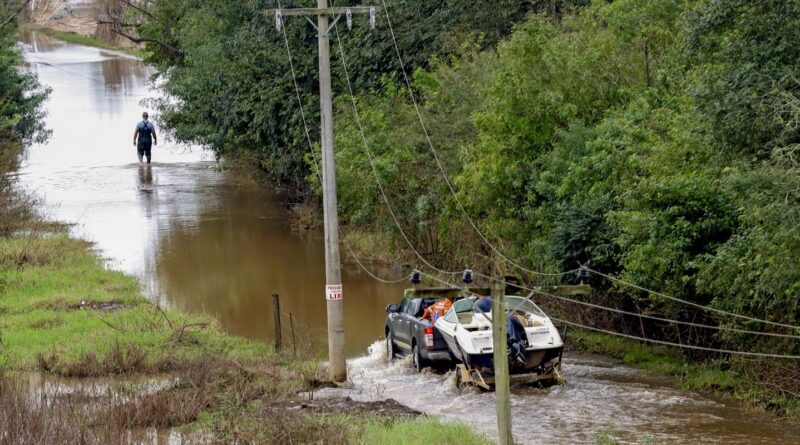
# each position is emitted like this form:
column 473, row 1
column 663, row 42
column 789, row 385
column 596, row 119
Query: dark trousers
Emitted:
column 143, row 149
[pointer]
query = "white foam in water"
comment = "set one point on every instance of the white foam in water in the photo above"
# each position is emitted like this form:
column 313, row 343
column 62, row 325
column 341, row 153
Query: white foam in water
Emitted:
column 599, row 396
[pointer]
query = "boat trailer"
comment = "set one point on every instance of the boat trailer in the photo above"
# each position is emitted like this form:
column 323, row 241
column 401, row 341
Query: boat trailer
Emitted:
column 469, row 375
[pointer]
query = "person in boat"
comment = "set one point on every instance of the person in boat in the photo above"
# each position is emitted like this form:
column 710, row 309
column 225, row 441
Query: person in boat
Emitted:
column 517, row 339
column 144, row 138
column 436, row 310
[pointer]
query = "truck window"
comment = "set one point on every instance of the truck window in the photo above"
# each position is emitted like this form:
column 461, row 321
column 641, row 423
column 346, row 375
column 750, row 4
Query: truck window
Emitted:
column 407, row 306
column 403, row 305
column 411, row 307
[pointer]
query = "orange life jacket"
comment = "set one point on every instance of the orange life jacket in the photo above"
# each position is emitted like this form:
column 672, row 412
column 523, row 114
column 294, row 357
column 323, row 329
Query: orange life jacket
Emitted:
column 436, row 310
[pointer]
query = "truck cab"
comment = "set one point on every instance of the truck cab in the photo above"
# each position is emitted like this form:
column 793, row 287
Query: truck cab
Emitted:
column 408, row 334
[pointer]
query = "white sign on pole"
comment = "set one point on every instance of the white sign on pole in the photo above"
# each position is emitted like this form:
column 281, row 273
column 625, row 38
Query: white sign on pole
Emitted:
column 333, row 292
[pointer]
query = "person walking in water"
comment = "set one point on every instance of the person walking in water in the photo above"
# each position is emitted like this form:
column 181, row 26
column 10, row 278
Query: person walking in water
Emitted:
column 144, row 138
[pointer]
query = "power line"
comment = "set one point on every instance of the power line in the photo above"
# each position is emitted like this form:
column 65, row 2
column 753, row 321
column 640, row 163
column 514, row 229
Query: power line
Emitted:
column 441, row 168
column 372, row 161
column 633, row 337
column 497, row 251
column 666, row 343
column 314, row 155
column 690, row 303
column 431, row 266
column 649, row 317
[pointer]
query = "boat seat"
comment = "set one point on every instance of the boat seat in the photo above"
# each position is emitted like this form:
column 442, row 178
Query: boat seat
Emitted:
column 465, row 317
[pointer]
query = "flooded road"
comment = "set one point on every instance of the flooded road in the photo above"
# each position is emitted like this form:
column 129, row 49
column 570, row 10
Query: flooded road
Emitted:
column 198, row 239
column 206, row 241
column 601, row 400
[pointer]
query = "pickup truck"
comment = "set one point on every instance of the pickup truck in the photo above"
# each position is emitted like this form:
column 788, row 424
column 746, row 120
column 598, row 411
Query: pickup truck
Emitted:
column 407, row 333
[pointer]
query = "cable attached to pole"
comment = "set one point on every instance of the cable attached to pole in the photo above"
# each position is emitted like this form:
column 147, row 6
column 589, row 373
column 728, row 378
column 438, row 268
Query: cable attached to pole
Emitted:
column 690, row 303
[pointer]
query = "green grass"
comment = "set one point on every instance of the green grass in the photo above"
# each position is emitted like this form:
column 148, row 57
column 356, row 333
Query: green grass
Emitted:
column 44, row 279
column 79, row 39
column 418, row 431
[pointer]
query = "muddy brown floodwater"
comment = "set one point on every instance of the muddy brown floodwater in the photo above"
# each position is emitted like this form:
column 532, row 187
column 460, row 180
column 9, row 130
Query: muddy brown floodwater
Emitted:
column 202, row 240
column 198, row 239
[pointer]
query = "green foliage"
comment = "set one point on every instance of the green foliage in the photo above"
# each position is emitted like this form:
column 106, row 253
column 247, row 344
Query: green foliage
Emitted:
column 653, row 139
column 228, row 84
column 747, row 57
column 21, row 97
column 417, row 431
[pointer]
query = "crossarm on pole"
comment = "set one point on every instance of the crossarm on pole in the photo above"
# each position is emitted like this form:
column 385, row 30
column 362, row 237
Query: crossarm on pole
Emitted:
column 323, row 11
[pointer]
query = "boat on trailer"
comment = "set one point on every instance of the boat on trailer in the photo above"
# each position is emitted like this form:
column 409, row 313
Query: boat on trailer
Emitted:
column 535, row 346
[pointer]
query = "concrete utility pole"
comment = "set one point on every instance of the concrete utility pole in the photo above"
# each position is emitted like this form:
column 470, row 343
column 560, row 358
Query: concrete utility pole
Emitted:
column 502, row 388
column 333, row 269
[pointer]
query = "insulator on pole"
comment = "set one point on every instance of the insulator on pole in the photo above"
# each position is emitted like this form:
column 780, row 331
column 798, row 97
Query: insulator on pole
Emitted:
column 467, row 277
column 349, row 16
column 583, row 273
column 416, row 277
column 372, row 17
column 278, row 19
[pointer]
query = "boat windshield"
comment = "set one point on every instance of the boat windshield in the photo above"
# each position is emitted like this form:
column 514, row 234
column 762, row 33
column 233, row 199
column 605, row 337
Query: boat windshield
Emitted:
column 464, row 305
column 513, row 303
column 523, row 304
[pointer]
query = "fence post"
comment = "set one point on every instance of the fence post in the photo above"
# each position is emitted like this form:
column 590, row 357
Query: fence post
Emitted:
column 276, row 316
column 294, row 343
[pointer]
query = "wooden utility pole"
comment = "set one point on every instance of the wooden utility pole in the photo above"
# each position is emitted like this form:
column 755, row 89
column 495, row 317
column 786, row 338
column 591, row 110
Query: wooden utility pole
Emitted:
column 333, row 269
column 502, row 388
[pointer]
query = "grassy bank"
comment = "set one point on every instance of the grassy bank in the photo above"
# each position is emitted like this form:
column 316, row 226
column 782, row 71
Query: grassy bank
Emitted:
column 80, row 39
column 65, row 315
column 729, row 377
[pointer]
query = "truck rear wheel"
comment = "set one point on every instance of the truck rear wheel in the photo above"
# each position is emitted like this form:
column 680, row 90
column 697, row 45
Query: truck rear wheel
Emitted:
column 419, row 362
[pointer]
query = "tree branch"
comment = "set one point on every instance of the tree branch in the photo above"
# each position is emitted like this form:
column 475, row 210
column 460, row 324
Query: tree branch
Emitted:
column 135, row 39
column 15, row 14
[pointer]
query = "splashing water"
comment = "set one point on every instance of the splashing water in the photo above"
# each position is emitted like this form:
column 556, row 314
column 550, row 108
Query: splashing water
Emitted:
column 599, row 398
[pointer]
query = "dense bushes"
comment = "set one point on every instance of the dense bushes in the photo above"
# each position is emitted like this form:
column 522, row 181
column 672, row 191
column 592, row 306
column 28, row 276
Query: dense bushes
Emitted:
column 21, row 113
column 652, row 139
column 21, row 98
column 649, row 139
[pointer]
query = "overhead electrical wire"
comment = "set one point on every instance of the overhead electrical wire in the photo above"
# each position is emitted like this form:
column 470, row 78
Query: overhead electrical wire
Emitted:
column 635, row 314
column 634, row 337
column 432, row 267
column 441, row 168
column 374, row 169
column 690, row 303
column 314, row 156
column 495, row 249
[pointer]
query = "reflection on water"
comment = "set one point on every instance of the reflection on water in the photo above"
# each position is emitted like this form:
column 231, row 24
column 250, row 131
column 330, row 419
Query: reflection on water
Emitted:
column 196, row 238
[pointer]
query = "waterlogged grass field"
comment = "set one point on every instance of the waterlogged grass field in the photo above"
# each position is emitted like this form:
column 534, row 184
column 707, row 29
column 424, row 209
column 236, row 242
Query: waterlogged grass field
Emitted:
column 63, row 313
column 59, row 301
